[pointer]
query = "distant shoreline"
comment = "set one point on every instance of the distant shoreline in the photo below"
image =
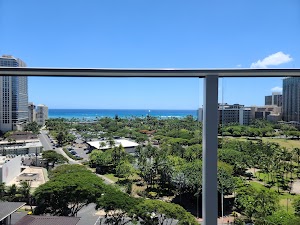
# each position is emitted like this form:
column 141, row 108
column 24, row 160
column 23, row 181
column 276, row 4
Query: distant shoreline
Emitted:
column 93, row 114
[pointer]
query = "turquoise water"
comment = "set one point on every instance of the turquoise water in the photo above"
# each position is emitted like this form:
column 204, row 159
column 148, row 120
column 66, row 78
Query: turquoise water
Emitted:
column 92, row 114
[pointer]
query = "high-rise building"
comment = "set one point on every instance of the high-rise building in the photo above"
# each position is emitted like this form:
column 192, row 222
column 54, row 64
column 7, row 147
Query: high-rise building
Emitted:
column 14, row 97
column 274, row 99
column 41, row 114
column 268, row 100
column 291, row 99
column 31, row 112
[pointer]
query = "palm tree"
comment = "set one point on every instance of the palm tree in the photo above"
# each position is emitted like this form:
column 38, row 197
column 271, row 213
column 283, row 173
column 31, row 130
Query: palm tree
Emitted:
column 14, row 143
column 297, row 153
column 102, row 144
column 111, row 142
column 11, row 192
column 2, row 190
column 180, row 182
column 165, row 170
column 24, row 191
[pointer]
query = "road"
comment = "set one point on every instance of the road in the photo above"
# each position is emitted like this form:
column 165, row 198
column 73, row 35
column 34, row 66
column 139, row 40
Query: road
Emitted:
column 88, row 215
column 46, row 142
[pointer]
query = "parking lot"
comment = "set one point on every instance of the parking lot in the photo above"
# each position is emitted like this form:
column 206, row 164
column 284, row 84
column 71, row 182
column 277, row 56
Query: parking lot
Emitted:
column 79, row 148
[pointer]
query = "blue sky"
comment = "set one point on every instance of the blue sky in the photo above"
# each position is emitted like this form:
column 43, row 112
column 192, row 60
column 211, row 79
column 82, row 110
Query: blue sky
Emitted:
column 150, row 34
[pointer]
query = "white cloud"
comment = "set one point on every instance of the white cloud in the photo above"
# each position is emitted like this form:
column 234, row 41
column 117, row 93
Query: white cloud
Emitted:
column 276, row 89
column 239, row 65
column 272, row 60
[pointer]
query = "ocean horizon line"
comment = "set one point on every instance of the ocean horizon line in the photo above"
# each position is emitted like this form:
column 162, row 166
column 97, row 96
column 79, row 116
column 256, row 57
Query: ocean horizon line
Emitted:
column 115, row 109
column 92, row 114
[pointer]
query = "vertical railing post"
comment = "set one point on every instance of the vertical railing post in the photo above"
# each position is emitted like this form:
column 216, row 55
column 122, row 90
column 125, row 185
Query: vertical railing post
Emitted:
column 210, row 150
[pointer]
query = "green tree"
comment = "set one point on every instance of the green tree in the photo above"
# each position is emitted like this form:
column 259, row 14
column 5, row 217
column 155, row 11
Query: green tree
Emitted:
column 244, row 201
column 102, row 144
column 296, row 204
column 118, row 154
column 12, row 192
column 281, row 218
column 60, row 138
column 118, row 206
column 124, row 169
column 155, row 212
column 111, row 142
column 193, row 152
column 71, row 188
column 33, row 127
column 180, row 181
column 256, row 203
column 226, row 182
column 54, row 157
column 296, row 151
column 101, row 160
column 2, row 190
column 24, row 191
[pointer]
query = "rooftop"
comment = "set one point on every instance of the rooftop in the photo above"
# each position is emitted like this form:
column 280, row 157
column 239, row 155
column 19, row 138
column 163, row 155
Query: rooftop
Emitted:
column 38, row 172
column 8, row 208
column 124, row 142
column 48, row 220
column 22, row 144
column 7, row 158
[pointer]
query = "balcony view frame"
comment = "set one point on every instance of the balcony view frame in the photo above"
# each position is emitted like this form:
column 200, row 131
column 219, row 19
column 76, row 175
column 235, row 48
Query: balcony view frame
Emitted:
column 210, row 108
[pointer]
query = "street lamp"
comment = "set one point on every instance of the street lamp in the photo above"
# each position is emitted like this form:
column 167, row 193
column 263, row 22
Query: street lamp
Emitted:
column 36, row 156
column 222, row 203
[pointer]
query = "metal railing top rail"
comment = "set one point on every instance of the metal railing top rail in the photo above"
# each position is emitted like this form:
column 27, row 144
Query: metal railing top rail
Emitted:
column 164, row 72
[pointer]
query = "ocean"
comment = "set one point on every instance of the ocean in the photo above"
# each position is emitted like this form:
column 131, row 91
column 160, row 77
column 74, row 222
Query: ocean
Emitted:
column 92, row 114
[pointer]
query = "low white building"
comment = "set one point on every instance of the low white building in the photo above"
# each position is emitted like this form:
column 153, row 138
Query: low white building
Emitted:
column 21, row 147
column 235, row 113
column 128, row 145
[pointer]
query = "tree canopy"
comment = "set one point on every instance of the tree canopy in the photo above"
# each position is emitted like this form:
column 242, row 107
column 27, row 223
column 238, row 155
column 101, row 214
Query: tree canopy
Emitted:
column 54, row 157
column 71, row 188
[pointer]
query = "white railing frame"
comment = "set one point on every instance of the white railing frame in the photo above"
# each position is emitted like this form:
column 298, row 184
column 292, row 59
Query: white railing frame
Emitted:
column 210, row 109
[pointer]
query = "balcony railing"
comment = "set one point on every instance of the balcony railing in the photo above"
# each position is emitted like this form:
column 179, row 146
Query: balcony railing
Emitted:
column 210, row 109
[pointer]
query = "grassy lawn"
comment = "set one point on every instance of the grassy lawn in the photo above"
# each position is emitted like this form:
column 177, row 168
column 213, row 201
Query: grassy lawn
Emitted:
column 257, row 185
column 135, row 177
column 283, row 142
column 264, row 176
column 261, row 186
column 285, row 199
column 290, row 144
column 45, row 173
column 135, row 188
column 111, row 177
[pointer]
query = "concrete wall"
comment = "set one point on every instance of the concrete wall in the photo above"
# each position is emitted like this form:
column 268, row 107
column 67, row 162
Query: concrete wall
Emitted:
column 10, row 169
